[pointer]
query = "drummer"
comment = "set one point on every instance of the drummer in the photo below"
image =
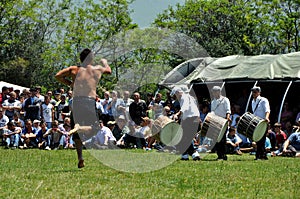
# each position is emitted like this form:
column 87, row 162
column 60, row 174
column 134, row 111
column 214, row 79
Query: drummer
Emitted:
column 189, row 114
column 261, row 108
column 220, row 106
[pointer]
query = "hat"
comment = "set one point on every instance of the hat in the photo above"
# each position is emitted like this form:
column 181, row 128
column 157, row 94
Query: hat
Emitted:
column 277, row 125
column 175, row 90
column 32, row 89
column 111, row 123
column 121, row 117
column 216, row 88
column 64, row 95
column 36, row 121
column 256, row 88
column 57, row 93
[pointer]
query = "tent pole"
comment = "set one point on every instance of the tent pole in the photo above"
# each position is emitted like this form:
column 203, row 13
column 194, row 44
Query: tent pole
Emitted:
column 283, row 100
column 248, row 102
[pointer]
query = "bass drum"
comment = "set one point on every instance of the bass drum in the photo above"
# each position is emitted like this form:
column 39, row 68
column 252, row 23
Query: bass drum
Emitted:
column 167, row 131
column 252, row 126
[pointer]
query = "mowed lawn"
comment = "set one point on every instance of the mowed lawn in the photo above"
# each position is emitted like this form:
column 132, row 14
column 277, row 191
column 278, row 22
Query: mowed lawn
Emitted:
column 53, row 174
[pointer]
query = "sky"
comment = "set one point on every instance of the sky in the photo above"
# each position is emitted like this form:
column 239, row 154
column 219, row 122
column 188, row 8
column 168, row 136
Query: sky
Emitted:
column 145, row 11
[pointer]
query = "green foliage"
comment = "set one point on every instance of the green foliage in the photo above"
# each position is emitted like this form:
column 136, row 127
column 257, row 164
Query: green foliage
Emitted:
column 225, row 27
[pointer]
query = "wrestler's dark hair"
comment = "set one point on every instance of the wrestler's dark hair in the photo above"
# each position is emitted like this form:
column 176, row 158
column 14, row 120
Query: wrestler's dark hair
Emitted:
column 84, row 54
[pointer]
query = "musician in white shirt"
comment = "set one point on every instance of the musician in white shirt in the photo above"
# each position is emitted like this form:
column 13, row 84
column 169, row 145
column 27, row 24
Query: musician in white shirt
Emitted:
column 220, row 106
column 189, row 114
column 260, row 108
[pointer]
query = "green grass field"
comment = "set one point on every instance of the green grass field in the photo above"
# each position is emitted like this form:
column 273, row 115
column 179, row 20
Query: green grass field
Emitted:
column 53, row 174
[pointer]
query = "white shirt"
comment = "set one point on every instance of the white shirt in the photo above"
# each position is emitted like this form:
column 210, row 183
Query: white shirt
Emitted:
column 47, row 112
column 102, row 133
column 188, row 106
column 3, row 121
column 221, row 106
column 263, row 107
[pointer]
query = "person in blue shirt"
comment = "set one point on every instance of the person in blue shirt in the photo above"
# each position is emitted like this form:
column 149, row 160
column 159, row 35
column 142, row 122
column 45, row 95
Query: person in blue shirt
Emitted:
column 290, row 146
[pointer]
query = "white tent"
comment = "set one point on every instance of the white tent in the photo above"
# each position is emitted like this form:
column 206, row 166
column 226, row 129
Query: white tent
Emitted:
column 9, row 85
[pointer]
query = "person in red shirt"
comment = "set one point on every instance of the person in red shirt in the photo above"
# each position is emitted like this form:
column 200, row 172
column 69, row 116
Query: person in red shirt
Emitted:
column 280, row 135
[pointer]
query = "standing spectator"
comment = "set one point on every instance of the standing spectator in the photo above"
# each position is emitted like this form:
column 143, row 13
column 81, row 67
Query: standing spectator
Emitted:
column 105, row 102
column 11, row 105
column 127, row 101
column 220, row 106
column 137, row 109
column 47, row 111
column 12, row 137
column 38, row 94
column 50, row 95
column 116, row 106
column 261, row 108
column 286, row 115
column 235, row 113
column 158, row 100
column 62, row 108
column 32, row 106
column 57, row 96
column 280, row 135
column 4, row 94
column 69, row 95
column 150, row 98
column 99, row 107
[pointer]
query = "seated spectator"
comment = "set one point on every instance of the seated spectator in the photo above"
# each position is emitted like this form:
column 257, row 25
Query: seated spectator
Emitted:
column 104, row 138
column 233, row 142
column 116, row 131
column 28, row 136
column 235, row 113
column 167, row 112
column 67, row 139
column 3, row 124
column 291, row 146
column 18, row 122
column 280, row 135
column 142, row 132
column 272, row 137
column 204, row 109
column 12, row 137
column 42, row 142
column 203, row 143
column 124, row 141
column 268, row 146
column 54, row 136
column 36, row 125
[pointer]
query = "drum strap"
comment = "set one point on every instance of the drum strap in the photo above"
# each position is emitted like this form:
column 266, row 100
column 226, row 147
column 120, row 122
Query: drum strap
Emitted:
column 219, row 104
column 256, row 106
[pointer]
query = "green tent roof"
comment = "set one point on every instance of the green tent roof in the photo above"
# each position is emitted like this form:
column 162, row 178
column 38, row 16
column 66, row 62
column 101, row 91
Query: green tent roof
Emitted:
column 235, row 67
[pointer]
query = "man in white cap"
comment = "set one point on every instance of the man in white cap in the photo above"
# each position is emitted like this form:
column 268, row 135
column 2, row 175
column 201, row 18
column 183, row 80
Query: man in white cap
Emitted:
column 220, row 106
column 261, row 108
column 190, row 120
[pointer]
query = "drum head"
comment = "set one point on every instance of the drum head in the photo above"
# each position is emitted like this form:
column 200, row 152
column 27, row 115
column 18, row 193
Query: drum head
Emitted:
column 171, row 134
column 223, row 130
column 260, row 130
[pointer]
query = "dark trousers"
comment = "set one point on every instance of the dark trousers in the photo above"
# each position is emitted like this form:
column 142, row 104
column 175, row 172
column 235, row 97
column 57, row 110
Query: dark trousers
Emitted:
column 189, row 126
column 221, row 147
column 261, row 151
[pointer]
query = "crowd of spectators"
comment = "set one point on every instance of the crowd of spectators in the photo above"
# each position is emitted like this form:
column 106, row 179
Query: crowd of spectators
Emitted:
column 31, row 119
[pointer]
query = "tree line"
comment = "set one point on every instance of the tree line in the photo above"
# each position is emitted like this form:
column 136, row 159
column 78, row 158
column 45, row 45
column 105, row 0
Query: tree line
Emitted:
column 39, row 37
